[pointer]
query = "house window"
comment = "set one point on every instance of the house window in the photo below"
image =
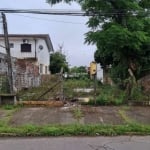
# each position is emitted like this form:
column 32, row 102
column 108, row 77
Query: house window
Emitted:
column 25, row 47
column 41, row 68
column 11, row 45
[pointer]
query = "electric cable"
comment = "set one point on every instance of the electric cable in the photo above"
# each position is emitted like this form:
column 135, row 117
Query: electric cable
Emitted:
column 72, row 12
column 50, row 20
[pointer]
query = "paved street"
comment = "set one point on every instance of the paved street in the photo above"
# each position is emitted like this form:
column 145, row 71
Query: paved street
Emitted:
column 77, row 143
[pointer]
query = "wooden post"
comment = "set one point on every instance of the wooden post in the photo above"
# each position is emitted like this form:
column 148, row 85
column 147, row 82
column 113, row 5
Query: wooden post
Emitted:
column 10, row 77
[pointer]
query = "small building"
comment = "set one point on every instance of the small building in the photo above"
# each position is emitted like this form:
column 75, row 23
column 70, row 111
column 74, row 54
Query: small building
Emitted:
column 30, row 55
column 30, row 46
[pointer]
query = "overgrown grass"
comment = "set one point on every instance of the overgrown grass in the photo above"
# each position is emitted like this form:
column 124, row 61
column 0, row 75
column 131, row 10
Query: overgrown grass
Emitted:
column 78, row 83
column 8, row 112
column 109, row 96
column 71, row 84
column 77, row 113
column 9, row 107
column 75, row 130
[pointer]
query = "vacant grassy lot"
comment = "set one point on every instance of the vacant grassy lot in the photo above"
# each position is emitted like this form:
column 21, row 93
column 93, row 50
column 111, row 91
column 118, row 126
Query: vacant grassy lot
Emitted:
column 74, row 120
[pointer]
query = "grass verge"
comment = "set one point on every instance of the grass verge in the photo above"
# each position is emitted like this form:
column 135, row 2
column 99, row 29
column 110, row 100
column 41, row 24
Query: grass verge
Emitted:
column 8, row 111
column 75, row 130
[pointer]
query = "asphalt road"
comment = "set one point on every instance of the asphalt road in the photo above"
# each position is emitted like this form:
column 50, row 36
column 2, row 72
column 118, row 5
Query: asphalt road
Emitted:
column 77, row 143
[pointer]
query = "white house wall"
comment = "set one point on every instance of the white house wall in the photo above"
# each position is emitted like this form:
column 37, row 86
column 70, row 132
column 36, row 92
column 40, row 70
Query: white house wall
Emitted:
column 42, row 55
column 16, row 50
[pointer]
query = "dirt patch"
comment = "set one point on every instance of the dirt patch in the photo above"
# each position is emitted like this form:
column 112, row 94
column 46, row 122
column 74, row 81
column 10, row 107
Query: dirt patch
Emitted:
column 91, row 115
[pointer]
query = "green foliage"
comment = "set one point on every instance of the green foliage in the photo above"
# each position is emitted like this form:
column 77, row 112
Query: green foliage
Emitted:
column 78, row 83
column 124, row 38
column 9, row 107
column 75, row 130
column 109, row 96
column 77, row 113
column 4, row 85
column 3, row 123
column 137, row 94
column 78, row 73
column 71, row 84
column 58, row 61
column 58, row 1
column 80, row 69
column 120, row 30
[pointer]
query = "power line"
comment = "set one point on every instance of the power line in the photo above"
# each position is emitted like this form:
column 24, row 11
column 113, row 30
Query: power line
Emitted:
column 73, row 12
column 45, row 11
column 50, row 20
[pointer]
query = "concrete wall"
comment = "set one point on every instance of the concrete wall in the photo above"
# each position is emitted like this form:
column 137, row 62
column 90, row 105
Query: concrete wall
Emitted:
column 43, row 56
column 25, row 73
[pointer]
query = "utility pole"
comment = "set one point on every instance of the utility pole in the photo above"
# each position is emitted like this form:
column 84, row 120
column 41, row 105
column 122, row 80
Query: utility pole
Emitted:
column 10, row 77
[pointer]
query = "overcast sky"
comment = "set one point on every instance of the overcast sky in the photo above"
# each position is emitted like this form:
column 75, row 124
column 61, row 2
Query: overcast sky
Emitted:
column 63, row 30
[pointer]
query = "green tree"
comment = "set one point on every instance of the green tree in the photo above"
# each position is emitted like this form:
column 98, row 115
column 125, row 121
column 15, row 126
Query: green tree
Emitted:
column 120, row 29
column 58, row 1
column 121, row 32
column 80, row 69
column 58, row 61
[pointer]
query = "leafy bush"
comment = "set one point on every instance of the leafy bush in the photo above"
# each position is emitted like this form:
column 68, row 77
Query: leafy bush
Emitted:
column 77, row 113
column 137, row 94
column 109, row 96
column 9, row 107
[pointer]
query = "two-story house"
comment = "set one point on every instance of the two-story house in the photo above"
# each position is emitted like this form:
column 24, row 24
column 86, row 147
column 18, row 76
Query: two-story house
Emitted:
column 32, row 53
column 30, row 46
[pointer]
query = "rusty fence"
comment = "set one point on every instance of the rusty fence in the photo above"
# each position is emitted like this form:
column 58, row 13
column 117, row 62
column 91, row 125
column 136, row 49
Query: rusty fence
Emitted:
column 26, row 80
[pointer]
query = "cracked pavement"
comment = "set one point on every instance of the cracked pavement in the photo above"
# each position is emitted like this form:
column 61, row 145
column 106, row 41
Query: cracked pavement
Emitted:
column 77, row 143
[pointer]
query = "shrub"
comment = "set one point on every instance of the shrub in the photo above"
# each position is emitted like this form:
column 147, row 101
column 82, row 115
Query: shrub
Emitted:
column 77, row 113
column 109, row 96
column 9, row 107
column 137, row 94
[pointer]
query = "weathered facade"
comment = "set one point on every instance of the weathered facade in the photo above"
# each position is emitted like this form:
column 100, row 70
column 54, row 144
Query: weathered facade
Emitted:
column 30, row 46
column 3, row 63
column 30, row 58
column 27, row 74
